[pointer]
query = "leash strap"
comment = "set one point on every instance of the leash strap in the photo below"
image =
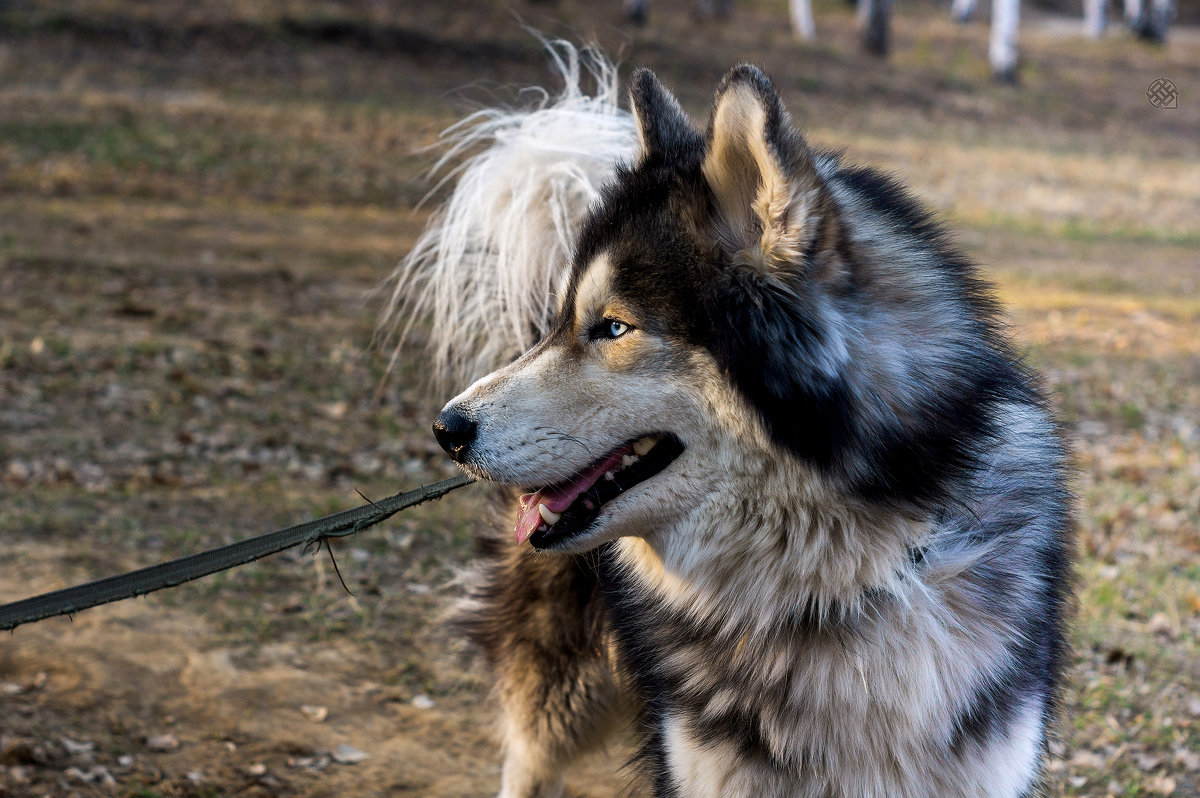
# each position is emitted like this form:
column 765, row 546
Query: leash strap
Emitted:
column 194, row 566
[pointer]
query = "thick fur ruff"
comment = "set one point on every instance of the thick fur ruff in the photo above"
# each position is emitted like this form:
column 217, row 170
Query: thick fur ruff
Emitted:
column 797, row 509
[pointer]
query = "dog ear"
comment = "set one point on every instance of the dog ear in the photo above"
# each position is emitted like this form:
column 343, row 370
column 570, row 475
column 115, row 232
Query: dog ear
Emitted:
column 663, row 126
column 771, row 206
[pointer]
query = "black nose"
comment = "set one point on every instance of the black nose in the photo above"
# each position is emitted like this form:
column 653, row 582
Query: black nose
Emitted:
column 454, row 432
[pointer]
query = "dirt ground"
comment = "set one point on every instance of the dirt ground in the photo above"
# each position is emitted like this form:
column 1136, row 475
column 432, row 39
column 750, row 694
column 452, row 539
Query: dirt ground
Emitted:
column 196, row 201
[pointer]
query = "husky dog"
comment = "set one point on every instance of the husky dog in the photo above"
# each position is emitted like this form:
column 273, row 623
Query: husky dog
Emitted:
column 792, row 502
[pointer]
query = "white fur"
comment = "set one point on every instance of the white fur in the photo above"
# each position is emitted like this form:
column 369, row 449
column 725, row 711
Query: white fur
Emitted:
column 503, row 238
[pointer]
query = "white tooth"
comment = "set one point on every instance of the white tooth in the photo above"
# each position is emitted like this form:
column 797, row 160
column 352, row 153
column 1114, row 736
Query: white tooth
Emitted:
column 644, row 445
column 627, row 460
column 548, row 515
column 609, row 476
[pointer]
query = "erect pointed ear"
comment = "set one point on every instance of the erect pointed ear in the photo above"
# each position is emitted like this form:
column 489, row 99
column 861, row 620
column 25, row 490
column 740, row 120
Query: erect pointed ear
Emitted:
column 771, row 205
column 662, row 125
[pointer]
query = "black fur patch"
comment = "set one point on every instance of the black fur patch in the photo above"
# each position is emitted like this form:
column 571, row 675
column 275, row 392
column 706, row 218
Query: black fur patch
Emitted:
column 764, row 339
column 663, row 126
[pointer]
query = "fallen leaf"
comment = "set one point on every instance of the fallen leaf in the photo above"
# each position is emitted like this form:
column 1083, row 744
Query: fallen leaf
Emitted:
column 76, row 746
column 1147, row 761
column 162, row 742
column 335, row 410
column 1190, row 760
column 347, row 754
column 1084, row 758
column 98, row 774
column 1163, row 785
column 1161, row 624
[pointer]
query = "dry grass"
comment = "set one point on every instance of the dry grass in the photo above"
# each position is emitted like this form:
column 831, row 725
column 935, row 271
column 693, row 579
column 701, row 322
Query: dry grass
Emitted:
column 195, row 200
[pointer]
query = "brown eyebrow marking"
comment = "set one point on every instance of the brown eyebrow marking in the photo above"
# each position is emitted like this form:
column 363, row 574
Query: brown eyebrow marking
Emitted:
column 616, row 309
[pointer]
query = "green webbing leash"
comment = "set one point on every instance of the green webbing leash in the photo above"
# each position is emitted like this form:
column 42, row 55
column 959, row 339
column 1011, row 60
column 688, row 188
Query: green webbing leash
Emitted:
column 184, row 569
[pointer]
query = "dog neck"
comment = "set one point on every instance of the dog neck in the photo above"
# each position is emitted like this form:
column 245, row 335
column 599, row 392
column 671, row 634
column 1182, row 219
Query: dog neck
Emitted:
column 774, row 545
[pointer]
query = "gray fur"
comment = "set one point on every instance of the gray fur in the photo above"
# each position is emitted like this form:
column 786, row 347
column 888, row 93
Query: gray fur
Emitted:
column 854, row 579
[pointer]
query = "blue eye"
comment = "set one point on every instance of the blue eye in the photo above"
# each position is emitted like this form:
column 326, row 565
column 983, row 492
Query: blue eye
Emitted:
column 617, row 328
column 607, row 329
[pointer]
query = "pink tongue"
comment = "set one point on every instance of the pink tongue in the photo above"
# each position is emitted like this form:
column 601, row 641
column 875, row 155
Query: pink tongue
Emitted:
column 559, row 499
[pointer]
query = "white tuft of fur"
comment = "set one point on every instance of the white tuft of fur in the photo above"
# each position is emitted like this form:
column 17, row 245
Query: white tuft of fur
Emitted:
column 486, row 271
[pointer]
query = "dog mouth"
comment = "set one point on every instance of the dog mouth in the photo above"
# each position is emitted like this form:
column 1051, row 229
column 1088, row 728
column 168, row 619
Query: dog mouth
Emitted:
column 554, row 514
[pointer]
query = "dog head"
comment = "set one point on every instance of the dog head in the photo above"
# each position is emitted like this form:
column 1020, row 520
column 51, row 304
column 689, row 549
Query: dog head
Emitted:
column 707, row 329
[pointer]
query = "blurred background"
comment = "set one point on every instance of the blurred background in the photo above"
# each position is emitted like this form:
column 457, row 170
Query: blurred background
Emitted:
column 196, row 202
